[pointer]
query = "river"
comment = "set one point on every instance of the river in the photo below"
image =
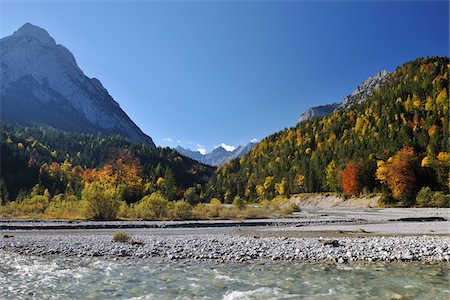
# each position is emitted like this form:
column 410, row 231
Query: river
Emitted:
column 61, row 277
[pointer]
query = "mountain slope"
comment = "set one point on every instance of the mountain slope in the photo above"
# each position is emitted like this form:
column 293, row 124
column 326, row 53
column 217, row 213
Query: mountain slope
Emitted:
column 410, row 109
column 43, row 85
column 361, row 93
column 26, row 152
column 218, row 156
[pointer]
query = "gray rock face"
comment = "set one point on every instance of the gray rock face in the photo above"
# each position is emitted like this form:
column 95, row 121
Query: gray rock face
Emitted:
column 318, row 112
column 364, row 90
column 218, row 156
column 41, row 84
column 360, row 94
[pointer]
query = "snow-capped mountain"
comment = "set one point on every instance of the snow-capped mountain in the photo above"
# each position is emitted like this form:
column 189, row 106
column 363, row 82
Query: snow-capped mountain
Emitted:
column 218, row 156
column 360, row 94
column 41, row 84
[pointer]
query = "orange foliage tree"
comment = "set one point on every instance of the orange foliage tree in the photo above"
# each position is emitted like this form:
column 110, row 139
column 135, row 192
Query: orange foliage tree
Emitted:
column 398, row 173
column 123, row 168
column 351, row 179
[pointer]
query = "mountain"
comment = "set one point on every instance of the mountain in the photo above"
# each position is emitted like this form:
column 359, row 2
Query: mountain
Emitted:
column 195, row 155
column 361, row 93
column 404, row 124
column 218, row 156
column 41, row 84
column 318, row 112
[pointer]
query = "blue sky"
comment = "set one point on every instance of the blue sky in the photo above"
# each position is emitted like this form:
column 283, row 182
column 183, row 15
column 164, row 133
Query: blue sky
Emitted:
column 211, row 72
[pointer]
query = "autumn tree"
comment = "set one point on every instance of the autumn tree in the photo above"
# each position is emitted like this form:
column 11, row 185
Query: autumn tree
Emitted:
column 351, row 179
column 398, row 174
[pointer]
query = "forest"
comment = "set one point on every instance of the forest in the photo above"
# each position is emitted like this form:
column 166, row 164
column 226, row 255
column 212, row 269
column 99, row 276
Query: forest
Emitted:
column 48, row 173
column 395, row 144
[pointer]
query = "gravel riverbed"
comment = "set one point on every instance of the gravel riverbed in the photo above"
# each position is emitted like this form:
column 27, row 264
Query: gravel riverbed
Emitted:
column 226, row 247
column 314, row 234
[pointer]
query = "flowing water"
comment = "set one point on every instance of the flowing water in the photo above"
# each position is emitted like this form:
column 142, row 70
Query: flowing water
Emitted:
column 58, row 277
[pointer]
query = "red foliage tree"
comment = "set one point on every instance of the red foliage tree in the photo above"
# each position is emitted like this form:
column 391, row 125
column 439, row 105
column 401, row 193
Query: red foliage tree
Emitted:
column 351, row 179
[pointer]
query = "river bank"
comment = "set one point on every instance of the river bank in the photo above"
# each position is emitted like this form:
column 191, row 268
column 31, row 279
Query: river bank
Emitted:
column 330, row 234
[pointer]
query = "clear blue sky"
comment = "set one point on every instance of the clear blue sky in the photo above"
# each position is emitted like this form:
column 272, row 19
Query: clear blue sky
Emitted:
column 211, row 72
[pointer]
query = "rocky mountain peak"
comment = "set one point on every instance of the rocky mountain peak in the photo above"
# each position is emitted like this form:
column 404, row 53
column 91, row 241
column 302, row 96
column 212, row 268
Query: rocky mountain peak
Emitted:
column 364, row 90
column 43, row 85
column 38, row 33
column 360, row 94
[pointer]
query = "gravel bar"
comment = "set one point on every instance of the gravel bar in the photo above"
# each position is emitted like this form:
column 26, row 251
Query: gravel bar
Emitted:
column 226, row 247
column 85, row 225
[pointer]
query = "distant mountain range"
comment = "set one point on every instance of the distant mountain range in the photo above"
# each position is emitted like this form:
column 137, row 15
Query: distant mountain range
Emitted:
column 41, row 84
column 361, row 93
column 218, row 156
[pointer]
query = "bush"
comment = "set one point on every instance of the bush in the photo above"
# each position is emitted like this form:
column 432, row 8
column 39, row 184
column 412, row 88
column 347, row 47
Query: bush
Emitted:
column 182, row 210
column 101, row 202
column 190, row 196
column 126, row 211
column 214, row 208
column 427, row 198
column 33, row 206
column 424, row 197
column 121, row 237
column 152, row 207
column 441, row 200
column 62, row 207
column 289, row 209
column 200, row 211
column 239, row 203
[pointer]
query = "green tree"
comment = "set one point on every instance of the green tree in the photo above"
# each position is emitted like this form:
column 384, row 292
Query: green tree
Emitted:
column 330, row 177
column 170, row 188
column 4, row 195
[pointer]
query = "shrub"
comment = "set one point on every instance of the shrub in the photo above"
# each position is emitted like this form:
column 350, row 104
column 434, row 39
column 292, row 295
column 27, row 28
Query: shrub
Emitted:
column 33, row 206
column 152, row 207
column 121, row 237
column 239, row 203
column 440, row 200
column 427, row 198
column 125, row 211
column 424, row 197
column 200, row 211
column 62, row 207
column 214, row 208
column 182, row 210
column 230, row 213
column 190, row 196
column 289, row 209
column 101, row 202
